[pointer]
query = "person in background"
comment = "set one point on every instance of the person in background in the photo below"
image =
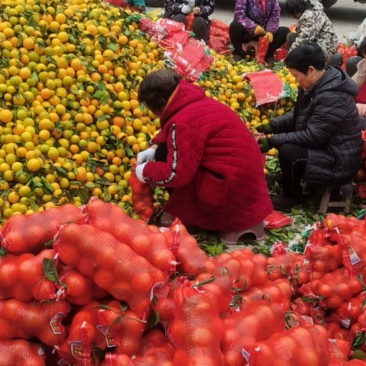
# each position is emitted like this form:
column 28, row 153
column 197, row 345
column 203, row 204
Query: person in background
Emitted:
column 254, row 19
column 319, row 141
column 201, row 9
column 359, row 77
column 314, row 26
column 134, row 5
column 206, row 158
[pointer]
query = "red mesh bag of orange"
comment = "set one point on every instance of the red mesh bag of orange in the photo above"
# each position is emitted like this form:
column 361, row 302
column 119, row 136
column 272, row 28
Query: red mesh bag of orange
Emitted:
column 22, row 277
column 300, row 346
column 197, row 329
column 20, row 352
column 29, row 233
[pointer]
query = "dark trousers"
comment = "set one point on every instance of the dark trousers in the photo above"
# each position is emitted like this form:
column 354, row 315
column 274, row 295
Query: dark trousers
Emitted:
column 292, row 159
column 239, row 35
column 199, row 26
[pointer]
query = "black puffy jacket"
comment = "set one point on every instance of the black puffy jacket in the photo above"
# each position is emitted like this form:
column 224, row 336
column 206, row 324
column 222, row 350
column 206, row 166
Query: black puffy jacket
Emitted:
column 326, row 122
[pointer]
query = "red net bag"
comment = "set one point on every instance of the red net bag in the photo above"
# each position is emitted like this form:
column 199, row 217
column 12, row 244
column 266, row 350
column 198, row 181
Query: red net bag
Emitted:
column 83, row 338
column 141, row 197
column 323, row 259
column 190, row 257
column 339, row 349
column 22, row 277
column 122, row 328
column 77, row 288
column 333, row 288
column 111, row 359
column 297, row 346
column 197, row 329
column 261, row 50
column 29, row 233
column 20, row 352
column 278, row 292
column 32, row 319
column 162, row 302
column 111, row 264
column 245, row 328
column 152, row 245
column 280, row 266
column 245, row 268
column 220, row 286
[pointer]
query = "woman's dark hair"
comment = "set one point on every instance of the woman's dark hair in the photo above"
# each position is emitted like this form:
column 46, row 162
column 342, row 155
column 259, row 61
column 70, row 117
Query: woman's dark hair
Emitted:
column 361, row 49
column 156, row 88
column 306, row 54
column 294, row 7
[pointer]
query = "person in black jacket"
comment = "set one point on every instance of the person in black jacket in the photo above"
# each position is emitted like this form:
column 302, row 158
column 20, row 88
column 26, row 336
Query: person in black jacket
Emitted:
column 318, row 141
column 178, row 10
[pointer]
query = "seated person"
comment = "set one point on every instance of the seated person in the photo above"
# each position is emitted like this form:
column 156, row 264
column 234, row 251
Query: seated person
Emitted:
column 205, row 157
column 319, row 141
column 134, row 5
column 253, row 19
column 314, row 26
column 201, row 9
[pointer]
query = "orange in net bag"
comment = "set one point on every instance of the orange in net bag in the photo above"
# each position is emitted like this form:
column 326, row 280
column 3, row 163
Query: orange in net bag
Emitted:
column 20, row 352
column 30, row 233
column 197, row 329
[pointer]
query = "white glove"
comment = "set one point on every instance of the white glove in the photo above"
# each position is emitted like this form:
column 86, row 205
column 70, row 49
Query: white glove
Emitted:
column 146, row 155
column 139, row 169
column 185, row 9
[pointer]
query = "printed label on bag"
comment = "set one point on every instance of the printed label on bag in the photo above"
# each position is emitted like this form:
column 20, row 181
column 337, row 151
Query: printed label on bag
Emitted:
column 353, row 257
column 55, row 323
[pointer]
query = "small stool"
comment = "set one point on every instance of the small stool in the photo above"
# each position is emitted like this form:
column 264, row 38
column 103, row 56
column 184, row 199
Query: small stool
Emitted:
column 250, row 44
column 346, row 191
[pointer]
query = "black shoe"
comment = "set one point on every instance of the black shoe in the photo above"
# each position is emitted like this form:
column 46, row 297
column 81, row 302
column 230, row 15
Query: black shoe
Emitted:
column 269, row 60
column 286, row 203
column 271, row 179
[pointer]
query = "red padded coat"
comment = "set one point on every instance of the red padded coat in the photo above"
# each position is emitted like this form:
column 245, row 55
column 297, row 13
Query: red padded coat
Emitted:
column 213, row 164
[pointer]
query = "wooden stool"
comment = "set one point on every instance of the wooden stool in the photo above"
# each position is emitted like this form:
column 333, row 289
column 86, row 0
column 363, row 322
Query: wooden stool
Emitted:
column 346, row 191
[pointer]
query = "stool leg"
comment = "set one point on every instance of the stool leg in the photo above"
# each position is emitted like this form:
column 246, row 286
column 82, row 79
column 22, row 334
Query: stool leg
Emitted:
column 325, row 200
column 347, row 191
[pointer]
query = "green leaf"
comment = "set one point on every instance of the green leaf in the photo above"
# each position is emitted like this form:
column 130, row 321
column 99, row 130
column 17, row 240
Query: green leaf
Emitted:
column 49, row 270
column 47, row 184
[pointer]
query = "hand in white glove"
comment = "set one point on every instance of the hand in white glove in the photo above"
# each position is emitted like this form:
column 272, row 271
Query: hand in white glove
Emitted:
column 146, row 155
column 139, row 169
column 196, row 10
column 185, row 9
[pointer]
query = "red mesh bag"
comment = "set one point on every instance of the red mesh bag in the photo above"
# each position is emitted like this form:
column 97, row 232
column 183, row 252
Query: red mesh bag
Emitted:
column 22, row 277
column 261, row 50
column 190, row 257
column 197, row 329
column 333, row 288
column 245, row 268
column 280, row 266
column 152, row 245
column 219, row 44
column 84, row 337
column 111, row 264
column 32, row 319
column 220, row 286
column 29, row 233
column 300, row 346
column 122, row 328
column 111, row 359
column 323, row 259
column 141, row 197
column 20, row 352
column 256, row 321
column 278, row 291
column 77, row 288
column 339, row 349
column 119, row 3
column 163, row 301
column 349, row 311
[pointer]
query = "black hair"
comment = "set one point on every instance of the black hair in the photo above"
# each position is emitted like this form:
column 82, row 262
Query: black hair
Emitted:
column 361, row 49
column 156, row 88
column 306, row 54
column 294, row 7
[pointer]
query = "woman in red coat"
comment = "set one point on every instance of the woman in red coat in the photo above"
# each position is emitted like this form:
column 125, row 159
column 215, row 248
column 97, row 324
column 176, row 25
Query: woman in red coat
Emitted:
column 211, row 163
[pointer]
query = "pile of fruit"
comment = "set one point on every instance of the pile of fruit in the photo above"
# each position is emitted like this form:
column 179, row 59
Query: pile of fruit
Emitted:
column 92, row 286
column 70, row 121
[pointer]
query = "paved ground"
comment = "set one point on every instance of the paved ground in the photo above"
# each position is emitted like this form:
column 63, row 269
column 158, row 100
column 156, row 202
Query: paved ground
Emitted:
column 346, row 15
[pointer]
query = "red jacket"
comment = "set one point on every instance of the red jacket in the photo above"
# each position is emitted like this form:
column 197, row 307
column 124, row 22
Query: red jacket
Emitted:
column 206, row 140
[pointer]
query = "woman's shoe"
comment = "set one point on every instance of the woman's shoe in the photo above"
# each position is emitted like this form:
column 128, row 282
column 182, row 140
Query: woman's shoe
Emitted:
column 233, row 237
